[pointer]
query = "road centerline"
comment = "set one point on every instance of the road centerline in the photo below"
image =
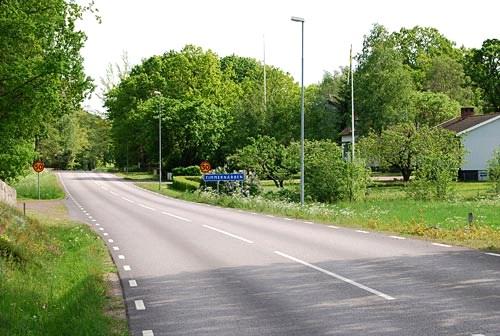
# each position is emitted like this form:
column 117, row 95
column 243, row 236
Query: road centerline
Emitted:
column 228, row 234
column 334, row 275
column 175, row 216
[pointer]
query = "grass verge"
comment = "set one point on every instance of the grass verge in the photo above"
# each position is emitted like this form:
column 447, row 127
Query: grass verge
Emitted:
column 387, row 210
column 53, row 278
column 27, row 188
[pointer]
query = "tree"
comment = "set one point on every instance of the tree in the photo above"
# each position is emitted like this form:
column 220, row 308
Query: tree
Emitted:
column 494, row 170
column 483, row 66
column 41, row 73
column 384, row 89
column 397, row 146
column 434, row 108
column 266, row 157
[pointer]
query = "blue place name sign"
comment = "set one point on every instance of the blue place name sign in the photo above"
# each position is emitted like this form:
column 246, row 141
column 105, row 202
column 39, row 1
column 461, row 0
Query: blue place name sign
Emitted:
column 223, row 177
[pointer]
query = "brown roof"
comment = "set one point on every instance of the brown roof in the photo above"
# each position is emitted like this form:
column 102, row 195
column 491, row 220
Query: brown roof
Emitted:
column 460, row 124
column 346, row 131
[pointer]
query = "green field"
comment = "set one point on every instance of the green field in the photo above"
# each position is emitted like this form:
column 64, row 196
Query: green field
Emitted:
column 49, row 186
column 386, row 208
column 52, row 279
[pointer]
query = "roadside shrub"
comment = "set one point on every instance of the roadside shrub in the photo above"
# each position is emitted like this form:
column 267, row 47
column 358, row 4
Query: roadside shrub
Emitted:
column 494, row 170
column 329, row 178
column 181, row 183
column 187, row 171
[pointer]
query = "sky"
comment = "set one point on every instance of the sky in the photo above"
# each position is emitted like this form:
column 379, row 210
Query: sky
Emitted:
column 143, row 28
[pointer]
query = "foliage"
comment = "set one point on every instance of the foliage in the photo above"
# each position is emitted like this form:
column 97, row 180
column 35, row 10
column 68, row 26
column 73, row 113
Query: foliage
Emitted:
column 483, row 66
column 187, row 171
column 41, row 73
column 49, row 186
column 267, row 158
column 182, row 183
column 328, row 177
column 79, row 140
column 494, row 170
column 434, row 108
column 440, row 157
column 53, row 278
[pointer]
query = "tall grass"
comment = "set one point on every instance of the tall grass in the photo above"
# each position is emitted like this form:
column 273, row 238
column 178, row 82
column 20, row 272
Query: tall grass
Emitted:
column 27, row 188
column 55, row 285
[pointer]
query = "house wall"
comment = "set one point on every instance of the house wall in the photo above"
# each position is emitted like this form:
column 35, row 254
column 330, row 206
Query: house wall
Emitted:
column 480, row 144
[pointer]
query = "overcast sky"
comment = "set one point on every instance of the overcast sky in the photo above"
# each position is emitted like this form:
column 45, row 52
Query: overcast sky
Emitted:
column 144, row 28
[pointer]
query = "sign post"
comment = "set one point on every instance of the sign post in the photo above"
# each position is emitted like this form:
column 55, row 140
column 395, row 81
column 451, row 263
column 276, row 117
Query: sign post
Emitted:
column 38, row 167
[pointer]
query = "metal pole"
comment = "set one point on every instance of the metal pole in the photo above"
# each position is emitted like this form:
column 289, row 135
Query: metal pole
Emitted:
column 302, row 126
column 265, row 79
column 352, row 108
column 159, row 147
column 38, row 175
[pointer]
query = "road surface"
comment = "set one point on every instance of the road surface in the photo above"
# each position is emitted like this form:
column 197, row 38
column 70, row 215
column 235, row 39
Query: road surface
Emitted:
column 193, row 269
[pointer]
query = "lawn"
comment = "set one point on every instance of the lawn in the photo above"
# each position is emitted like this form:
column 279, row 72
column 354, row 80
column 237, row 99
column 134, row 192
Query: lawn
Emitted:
column 52, row 278
column 27, row 187
column 386, row 208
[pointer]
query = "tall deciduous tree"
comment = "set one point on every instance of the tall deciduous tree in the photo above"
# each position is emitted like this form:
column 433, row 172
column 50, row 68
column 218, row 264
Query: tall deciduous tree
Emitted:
column 41, row 74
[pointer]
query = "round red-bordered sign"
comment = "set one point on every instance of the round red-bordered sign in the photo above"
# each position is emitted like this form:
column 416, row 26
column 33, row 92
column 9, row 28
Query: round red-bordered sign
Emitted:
column 205, row 167
column 38, row 166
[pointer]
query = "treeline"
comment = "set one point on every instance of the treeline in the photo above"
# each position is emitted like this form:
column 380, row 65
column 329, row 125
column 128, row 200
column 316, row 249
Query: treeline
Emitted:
column 41, row 76
column 211, row 106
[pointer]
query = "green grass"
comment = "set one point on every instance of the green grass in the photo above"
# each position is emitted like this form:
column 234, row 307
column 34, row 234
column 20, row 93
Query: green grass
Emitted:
column 387, row 209
column 27, row 188
column 55, row 285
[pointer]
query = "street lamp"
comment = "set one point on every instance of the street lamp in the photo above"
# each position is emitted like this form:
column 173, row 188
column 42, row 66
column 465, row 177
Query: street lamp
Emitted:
column 158, row 94
column 301, row 20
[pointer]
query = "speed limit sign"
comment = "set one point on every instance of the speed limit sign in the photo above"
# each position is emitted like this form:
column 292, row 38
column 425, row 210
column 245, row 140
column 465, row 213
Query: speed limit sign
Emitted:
column 38, row 166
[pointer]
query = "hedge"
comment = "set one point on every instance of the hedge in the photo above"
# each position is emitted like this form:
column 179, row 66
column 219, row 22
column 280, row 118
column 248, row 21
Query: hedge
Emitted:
column 186, row 183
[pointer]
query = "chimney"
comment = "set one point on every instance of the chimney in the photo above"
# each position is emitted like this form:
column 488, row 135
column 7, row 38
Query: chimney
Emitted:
column 466, row 112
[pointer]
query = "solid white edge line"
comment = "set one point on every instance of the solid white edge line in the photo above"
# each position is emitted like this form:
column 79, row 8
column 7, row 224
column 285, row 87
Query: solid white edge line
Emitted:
column 397, row 237
column 228, row 234
column 139, row 305
column 362, row 231
column 442, row 245
column 147, row 333
column 132, row 283
column 339, row 277
column 492, row 254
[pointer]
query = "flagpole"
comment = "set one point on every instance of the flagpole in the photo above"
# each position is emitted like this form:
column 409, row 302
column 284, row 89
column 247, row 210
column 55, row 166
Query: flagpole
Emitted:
column 265, row 79
column 352, row 103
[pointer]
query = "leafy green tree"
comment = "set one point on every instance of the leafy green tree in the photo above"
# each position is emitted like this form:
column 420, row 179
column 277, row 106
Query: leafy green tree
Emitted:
column 483, row 66
column 434, row 108
column 440, row 157
column 384, row 89
column 494, row 170
column 396, row 146
column 266, row 157
column 41, row 74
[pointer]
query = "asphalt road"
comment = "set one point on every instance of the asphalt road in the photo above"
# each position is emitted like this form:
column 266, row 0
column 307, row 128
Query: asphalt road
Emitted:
column 193, row 269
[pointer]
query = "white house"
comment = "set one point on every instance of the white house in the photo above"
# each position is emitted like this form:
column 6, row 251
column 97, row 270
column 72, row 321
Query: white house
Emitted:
column 480, row 136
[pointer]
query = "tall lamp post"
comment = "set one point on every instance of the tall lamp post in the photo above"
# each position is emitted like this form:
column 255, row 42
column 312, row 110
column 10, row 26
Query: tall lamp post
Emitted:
column 158, row 94
column 301, row 20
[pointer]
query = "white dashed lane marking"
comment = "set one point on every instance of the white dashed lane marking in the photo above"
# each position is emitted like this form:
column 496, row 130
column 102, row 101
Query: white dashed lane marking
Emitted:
column 127, row 268
column 139, row 305
column 111, row 241
column 116, row 248
column 105, row 234
column 121, row 256
column 339, row 277
column 228, row 234
column 147, row 333
column 333, row 227
column 146, row 207
column 128, row 200
column 175, row 216
column 442, row 245
column 493, row 254
column 397, row 237
column 132, row 283
column 362, row 231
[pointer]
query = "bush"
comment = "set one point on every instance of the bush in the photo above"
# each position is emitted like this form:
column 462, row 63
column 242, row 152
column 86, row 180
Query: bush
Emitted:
column 187, row 171
column 182, row 183
column 494, row 170
column 328, row 177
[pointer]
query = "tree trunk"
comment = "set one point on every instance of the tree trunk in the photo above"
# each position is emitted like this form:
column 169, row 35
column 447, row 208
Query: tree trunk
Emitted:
column 406, row 174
